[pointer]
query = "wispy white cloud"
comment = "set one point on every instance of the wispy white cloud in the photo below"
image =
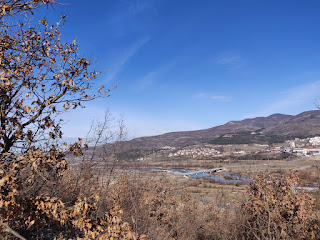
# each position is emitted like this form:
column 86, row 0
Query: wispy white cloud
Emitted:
column 147, row 80
column 151, row 77
column 214, row 97
column 124, row 18
column 292, row 101
column 126, row 56
column 221, row 98
column 137, row 6
column 233, row 60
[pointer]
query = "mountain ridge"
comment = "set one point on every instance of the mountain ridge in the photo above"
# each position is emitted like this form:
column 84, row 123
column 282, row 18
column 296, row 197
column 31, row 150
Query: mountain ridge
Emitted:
column 306, row 123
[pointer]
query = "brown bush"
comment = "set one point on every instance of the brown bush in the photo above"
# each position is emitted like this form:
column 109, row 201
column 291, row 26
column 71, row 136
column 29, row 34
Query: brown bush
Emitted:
column 161, row 212
column 276, row 210
column 45, row 216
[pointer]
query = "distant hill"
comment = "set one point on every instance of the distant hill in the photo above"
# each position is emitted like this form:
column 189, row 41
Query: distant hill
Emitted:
column 306, row 123
column 303, row 124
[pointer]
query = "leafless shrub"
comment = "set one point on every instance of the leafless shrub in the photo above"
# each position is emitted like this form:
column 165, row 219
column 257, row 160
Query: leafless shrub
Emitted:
column 276, row 210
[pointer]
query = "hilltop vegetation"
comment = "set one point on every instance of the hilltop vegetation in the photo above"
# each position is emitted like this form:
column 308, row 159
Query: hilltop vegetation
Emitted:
column 253, row 137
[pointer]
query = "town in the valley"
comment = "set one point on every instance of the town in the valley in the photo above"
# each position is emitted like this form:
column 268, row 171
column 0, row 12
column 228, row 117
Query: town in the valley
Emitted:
column 304, row 147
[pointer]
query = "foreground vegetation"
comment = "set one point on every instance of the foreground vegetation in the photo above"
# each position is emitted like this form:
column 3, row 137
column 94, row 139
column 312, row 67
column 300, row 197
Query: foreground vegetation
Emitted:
column 79, row 205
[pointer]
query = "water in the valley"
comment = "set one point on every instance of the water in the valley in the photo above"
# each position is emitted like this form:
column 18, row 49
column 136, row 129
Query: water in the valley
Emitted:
column 219, row 178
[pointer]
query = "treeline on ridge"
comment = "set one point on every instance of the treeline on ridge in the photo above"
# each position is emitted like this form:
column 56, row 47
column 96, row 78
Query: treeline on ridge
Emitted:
column 251, row 138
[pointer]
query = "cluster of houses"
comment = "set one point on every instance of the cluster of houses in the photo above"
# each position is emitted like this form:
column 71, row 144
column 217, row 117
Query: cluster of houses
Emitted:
column 302, row 147
column 311, row 146
column 195, row 152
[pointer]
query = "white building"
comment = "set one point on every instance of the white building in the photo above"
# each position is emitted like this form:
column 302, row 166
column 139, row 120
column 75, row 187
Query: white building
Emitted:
column 315, row 141
column 292, row 144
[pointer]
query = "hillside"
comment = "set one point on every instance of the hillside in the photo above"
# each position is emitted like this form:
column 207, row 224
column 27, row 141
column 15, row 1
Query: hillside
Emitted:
column 306, row 123
column 283, row 125
column 303, row 124
column 179, row 139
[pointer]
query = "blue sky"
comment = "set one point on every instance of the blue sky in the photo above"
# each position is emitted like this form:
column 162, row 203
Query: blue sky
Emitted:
column 187, row 65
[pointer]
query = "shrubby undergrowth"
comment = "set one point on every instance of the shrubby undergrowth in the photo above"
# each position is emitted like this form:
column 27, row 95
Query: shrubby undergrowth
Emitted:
column 144, row 208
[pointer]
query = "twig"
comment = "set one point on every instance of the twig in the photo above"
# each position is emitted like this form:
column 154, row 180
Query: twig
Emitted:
column 9, row 229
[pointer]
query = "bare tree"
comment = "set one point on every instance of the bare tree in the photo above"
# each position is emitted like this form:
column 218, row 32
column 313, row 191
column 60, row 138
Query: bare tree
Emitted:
column 100, row 162
column 40, row 77
column 14, row 7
